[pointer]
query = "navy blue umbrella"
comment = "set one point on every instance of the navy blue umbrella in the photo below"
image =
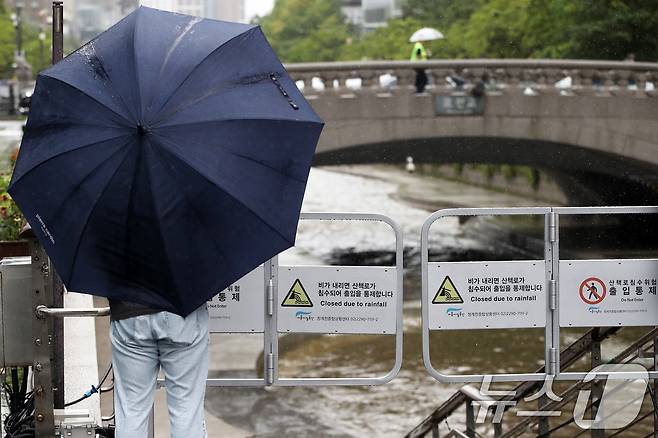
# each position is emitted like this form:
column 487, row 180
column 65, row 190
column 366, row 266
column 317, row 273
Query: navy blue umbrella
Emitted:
column 165, row 159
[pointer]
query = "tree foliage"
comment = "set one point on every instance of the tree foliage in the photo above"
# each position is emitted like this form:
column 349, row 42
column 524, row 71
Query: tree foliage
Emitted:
column 7, row 45
column 313, row 30
column 307, row 30
column 31, row 44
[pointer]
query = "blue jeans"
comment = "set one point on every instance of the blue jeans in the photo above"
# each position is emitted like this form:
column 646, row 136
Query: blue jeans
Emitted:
column 143, row 344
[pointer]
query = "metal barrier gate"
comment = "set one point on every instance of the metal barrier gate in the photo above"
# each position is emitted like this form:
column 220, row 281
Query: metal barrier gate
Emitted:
column 291, row 302
column 529, row 294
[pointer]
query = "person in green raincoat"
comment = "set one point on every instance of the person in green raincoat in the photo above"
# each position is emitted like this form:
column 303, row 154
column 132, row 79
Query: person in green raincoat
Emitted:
column 419, row 53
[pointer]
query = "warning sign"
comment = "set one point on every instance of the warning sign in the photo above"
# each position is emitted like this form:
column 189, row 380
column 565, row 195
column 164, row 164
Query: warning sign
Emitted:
column 607, row 293
column 592, row 290
column 483, row 295
column 447, row 293
column 240, row 308
column 297, row 296
column 337, row 299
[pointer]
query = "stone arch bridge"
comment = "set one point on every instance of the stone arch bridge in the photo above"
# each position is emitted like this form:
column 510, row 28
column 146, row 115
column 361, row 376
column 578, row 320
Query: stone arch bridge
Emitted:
column 596, row 131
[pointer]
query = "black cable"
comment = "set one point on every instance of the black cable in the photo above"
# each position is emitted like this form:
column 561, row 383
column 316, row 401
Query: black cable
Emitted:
column 19, row 423
column 92, row 391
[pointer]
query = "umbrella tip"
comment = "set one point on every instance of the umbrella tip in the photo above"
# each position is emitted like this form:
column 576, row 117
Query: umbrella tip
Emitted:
column 141, row 130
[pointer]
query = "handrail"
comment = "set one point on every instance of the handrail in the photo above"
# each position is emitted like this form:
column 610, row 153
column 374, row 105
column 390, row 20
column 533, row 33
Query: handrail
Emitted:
column 569, row 356
column 570, row 393
column 58, row 312
column 307, row 67
column 499, row 76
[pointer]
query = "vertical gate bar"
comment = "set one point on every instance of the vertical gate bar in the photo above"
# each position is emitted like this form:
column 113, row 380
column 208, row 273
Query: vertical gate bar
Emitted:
column 151, row 420
column 274, row 329
column 554, row 254
column 542, row 423
column 548, row 261
column 267, row 335
column 498, row 429
column 42, row 294
column 597, row 384
column 435, row 430
column 655, row 385
column 470, row 419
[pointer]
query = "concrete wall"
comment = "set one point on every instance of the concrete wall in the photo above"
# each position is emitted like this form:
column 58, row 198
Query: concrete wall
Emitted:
column 622, row 126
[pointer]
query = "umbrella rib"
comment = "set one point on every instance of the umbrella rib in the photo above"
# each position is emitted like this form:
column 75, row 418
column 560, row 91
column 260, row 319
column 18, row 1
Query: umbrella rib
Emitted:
column 234, row 119
column 68, row 151
column 60, row 209
column 136, row 70
column 182, row 160
column 128, row 122
column 194, row 69
column 91, row 212
column 159, row 229
column 211, row 93
column 195, row 210
column 279, row 171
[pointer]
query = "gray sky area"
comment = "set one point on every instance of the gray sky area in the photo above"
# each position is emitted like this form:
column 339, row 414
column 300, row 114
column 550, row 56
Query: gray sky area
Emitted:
column 257, row 7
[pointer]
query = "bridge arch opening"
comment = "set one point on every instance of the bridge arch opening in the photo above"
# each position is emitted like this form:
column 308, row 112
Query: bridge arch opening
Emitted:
column 586, row 176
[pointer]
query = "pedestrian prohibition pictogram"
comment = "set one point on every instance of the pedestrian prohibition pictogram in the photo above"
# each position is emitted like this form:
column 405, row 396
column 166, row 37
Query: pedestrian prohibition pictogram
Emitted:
column 297, row 296
column 592, row 290
column 447, row 293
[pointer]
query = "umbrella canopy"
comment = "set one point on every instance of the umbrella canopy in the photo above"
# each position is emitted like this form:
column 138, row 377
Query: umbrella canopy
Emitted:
column 426, row 34
column 165, row 159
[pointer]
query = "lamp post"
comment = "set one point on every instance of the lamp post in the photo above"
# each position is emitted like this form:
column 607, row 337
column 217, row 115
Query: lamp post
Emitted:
column 42, row 40
column 17, row 25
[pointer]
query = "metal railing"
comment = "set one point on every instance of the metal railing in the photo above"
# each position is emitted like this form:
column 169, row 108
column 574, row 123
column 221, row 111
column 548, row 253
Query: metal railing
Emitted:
column 588, row 344
column 540, row 74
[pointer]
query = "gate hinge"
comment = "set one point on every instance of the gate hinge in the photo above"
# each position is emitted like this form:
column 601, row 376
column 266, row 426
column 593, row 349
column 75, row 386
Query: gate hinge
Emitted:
column 270, row 298
column 552, row 294
column 552, row 227
column 269, row 371
column 552, row 354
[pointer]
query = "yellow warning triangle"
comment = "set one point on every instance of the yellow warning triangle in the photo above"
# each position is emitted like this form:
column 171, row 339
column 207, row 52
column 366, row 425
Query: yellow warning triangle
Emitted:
column 447, row 293
column 297, row 296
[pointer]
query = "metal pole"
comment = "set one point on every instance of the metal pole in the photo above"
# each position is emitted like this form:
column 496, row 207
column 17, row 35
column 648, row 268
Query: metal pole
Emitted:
column 58, row 31
column 58, row 286
column 42, row 294
column 12, row 98
column 543, row 431
column 498, row 429
column 597, row 384
column 151, row 431
column 435, row 430
column 470, row 419
column 19, row 34
column 42, row 56
column 655, row 385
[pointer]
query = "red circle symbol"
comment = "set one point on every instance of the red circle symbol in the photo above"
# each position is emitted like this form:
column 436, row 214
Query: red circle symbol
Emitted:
column 592, row 290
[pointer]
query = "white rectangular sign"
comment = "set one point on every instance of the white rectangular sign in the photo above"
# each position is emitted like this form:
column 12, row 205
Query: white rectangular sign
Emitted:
column 240, row 308
column 484, row 295
column 606, row 293
column 337, row 299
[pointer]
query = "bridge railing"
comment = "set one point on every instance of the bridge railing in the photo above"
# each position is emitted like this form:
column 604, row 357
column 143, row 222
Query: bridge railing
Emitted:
column 538, row 75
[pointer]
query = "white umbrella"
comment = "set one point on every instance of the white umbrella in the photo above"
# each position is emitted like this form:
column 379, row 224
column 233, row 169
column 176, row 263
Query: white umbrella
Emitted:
column 425, row 34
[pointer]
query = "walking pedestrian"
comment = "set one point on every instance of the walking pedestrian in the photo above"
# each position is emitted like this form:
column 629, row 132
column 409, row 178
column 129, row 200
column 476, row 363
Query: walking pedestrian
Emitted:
column 419, row 53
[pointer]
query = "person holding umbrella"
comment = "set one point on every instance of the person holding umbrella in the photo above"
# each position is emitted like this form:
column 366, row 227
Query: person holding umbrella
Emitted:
column 419, row 53
column 161, row 162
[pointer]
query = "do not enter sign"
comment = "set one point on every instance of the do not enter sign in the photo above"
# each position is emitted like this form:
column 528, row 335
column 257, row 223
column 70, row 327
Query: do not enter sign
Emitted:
column 592, row 290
